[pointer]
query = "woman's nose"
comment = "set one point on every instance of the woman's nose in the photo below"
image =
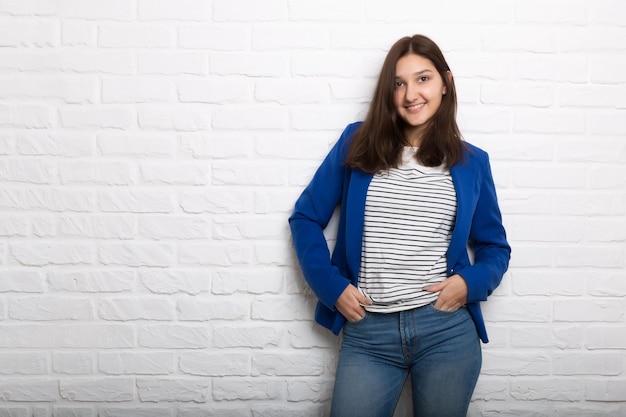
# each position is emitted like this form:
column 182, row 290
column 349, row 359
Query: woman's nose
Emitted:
column 412, row 91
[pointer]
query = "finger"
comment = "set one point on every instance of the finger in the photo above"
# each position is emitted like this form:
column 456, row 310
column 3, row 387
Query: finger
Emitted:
column 434, row 287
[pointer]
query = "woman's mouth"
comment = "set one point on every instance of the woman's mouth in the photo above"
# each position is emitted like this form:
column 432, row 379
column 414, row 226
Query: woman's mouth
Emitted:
column 414, row 107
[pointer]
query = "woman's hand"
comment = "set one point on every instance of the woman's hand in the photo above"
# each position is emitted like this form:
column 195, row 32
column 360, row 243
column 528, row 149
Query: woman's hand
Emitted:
column 452, row 293
column 350, row 303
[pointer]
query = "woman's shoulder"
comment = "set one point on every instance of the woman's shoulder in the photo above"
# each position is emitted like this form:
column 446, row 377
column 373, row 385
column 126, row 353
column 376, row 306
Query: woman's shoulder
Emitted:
column 473, row 152
column 350, row 129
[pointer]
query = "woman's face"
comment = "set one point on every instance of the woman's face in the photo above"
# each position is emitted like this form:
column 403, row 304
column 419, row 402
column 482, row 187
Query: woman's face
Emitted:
column 418, row 92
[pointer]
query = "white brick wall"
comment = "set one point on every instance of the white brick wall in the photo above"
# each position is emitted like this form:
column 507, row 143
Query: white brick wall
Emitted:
column 151, row 151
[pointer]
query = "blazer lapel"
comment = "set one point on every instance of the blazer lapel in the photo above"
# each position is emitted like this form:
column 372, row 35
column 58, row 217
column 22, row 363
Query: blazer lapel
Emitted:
column 355, row 215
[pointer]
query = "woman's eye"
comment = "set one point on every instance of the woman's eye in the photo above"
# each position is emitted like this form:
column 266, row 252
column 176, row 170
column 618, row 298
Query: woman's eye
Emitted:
column 423, row 79
column 399, row 84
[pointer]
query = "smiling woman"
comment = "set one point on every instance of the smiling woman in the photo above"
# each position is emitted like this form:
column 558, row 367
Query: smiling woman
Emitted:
column 400, row 283
column 418, row 94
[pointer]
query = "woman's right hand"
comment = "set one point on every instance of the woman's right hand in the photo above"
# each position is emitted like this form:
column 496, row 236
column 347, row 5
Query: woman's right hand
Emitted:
column 350, row 303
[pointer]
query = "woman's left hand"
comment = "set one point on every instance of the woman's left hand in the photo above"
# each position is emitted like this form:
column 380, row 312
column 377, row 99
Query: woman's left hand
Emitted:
column 452, row 293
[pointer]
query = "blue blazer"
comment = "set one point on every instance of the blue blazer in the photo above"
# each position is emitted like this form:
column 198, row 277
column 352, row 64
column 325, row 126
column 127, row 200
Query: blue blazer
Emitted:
column 478, row 250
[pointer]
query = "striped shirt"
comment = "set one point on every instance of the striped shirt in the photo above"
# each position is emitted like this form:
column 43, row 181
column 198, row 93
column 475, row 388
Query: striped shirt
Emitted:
column 409, row 216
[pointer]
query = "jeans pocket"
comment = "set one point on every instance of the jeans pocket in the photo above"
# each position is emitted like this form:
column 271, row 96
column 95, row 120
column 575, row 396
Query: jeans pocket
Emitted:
column 361, row 320
column 432, row 306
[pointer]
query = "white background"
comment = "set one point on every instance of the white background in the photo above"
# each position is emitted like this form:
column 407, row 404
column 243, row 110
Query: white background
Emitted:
column 152, row 150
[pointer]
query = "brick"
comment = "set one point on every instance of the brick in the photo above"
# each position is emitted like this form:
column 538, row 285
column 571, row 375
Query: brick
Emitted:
column 183, row 118
column 509, row 363
column 559, row 67
column 607, row 69
column 153, row 145
column 216, row 37
column 136, row 363
column 544, row 283
column 595, row 363
column 218, row 201
column 130, row 90
column 174, row 390
column 13, row 226
column 55, row 144
column 25, row 8
column 93, row 9
column 105, row 173
column 71, row 90
column 136, row 254
column 286, row 36
column 212, row 308
column 98, row 389
column 32, row 363
column 509, row 39
column 241, row 117
column 309, row 390
column 160, row 173
column 564, row 177
column 326, row 10
column 519, row 310
column 491, row 12
column 587, row 256
column 287, row 364
column 255, row 281
column 548, row 229
column 76, row 335
column 273, row 308
column 553, row 12
column 583, row 310
column 22, row 280
column 26, row 32
column 106, row 227
column 552, row 389
column 79, row 34
column 123, row 309
column 215, row 364
column 216, row 254
column 229, row 389
column 33, row 389
column 173, row 281
column 136, row 201
column 73, row 363
column 51, row 308
column 145, row 411
column 62, row 411
column 248, row 336
column 605, row 390
column 81, row 61
column 249, row 10
column 172, row 336
column 517, row 94
column 40, row 253
column 182, row 10
column 91, row 281
column 139, row 35
column 97, row 117
column 292, row 92
column 249, row 64
column 171, row 63
column 611, row 336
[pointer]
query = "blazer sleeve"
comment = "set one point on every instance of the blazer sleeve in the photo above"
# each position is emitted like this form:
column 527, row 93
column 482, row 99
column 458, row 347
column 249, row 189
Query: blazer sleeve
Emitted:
column 487, row 239
column 312, row 213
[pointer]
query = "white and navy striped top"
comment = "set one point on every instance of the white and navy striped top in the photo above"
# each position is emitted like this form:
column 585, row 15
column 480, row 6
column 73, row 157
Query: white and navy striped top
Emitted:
column 409, row 216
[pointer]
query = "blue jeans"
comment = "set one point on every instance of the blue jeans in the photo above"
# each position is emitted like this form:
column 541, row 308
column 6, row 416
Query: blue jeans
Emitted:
column 440, row 351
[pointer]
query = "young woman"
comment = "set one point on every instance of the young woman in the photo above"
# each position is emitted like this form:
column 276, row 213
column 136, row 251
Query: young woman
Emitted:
column 420, row 244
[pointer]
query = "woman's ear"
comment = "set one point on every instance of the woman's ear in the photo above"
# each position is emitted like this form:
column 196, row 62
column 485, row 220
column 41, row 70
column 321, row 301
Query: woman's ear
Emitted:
column 449, row 75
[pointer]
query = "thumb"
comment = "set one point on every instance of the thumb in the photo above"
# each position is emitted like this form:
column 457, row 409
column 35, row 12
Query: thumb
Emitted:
column 435, row 287
column 363, row 298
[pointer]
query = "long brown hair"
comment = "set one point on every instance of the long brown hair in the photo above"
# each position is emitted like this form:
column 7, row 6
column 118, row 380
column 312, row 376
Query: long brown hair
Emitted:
column 378, row 142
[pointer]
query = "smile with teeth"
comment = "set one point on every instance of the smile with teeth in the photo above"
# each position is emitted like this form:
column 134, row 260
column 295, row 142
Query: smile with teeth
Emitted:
column 416, row 106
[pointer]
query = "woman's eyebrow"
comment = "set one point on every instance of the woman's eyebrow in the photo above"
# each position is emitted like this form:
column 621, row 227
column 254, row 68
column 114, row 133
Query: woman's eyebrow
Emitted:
column 424, row 71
